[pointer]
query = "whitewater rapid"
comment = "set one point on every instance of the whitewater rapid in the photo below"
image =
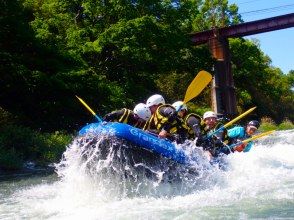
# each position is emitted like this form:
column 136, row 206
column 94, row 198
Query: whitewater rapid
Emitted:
column 257, row 184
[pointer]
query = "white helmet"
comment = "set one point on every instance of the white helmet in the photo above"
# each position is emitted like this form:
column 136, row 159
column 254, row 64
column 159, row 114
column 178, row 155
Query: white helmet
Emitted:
column 180, row 105
column 155, row 100
column 142, row 111
column 209, row 114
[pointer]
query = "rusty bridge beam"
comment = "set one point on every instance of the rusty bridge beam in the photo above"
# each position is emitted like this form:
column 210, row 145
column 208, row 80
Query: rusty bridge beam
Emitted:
column 244, row 29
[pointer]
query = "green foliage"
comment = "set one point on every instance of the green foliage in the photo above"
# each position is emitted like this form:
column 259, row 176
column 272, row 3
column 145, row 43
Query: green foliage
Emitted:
column 286, row 125
column 290, row 78
column 200, row 110
column 122, row 49
column 51, row 146
column 27, row 69
column 19, row 144
column 216, row 13
column 117, row 53
column 10, row 159
column 259, row 84
column 175, row 87
column 267, row 124
column 5, row 117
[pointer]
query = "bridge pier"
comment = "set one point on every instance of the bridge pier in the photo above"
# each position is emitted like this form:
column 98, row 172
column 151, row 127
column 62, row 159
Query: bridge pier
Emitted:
column 223, row 89
column 223, row 93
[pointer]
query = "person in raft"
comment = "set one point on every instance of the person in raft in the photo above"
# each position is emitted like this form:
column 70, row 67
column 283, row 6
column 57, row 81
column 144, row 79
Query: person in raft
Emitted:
column 188, row 126
column 163, row 119
column 239, row 133
column 211, row 142
column 136, row 118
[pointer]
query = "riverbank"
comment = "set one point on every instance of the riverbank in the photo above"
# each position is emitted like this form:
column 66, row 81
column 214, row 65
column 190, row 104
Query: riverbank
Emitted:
column 26, row 171
column 19, row 144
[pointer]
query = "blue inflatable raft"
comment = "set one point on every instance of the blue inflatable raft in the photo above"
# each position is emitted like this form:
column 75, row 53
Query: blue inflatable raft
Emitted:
column 140, row 138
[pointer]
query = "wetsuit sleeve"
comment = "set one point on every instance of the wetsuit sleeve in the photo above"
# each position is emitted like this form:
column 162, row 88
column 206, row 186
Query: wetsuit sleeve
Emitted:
column 220, row 136
column 171, row 115
column 114, row 116
column 168, row 112
column 194, row 124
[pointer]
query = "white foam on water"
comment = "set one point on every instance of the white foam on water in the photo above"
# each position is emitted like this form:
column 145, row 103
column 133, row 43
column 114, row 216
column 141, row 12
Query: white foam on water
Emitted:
column 257, row 184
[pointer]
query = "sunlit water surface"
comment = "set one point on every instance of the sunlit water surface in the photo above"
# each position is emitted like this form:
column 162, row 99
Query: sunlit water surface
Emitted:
column 87, row 185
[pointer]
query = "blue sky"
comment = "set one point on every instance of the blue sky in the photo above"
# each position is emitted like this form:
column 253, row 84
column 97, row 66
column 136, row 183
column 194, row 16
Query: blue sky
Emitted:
column 278, row 45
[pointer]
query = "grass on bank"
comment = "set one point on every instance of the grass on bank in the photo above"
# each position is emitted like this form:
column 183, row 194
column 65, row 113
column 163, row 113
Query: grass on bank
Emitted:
column 268, row 124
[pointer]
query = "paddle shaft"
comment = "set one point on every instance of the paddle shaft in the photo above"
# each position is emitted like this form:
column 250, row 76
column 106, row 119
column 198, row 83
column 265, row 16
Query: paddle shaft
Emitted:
column 90, row 110
column 232, row 121
column 252, row 138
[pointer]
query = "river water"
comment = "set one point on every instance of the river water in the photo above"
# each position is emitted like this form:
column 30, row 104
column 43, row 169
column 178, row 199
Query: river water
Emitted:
column 254, row 185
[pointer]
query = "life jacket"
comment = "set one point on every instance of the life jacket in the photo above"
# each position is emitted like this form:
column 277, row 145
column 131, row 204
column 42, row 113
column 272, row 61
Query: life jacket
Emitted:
column 178, row 126
column 125, row 116
column 204, row 129
column 210, row 143
column 148, row 123
column 218, row 125
column 158, row 120
column 190, row 131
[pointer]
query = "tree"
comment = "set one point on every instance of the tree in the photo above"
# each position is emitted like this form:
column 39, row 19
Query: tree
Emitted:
column 123, row 41
column 216, row 13
column 113, row 54
column 259, row 83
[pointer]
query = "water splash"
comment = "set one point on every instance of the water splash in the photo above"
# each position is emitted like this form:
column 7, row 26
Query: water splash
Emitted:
column 120, row 169
column 257, row 184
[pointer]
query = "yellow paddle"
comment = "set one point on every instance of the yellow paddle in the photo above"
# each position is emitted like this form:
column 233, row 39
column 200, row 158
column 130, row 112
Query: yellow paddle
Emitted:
column 232, row 121
column 239, row 117
column 253, row 138
column 197, row 85
column 93, row 113
column 201, row 80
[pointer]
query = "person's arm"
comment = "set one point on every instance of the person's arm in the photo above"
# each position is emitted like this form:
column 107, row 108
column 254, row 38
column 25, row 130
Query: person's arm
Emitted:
column 236, row 135
column 113, row 116
column 245, row 147
column 171, row 114
column 219, row 137
column 248, row 146
column 194, row 124
column 235, row 132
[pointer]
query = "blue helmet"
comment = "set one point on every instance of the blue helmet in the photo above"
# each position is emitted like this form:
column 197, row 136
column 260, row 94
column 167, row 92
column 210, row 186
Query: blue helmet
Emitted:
column 254, row 123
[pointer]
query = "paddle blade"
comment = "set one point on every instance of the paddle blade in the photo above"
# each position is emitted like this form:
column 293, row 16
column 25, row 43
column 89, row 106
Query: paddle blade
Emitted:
column 197, row 85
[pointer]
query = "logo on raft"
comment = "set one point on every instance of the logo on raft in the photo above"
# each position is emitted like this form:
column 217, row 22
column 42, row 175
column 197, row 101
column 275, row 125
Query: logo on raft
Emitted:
column 150, row 139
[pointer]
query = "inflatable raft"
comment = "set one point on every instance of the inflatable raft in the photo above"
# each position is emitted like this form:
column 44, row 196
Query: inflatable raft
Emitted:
column 140, row 139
